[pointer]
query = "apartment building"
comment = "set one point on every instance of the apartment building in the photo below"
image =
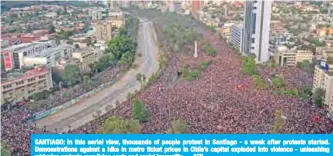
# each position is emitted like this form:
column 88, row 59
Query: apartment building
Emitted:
column 324, row 79
column 50, row 56
column 14, row 55
column 237, row 36
column 23, row 86
column 103, row 30
column 287, row 57
column 86, row 57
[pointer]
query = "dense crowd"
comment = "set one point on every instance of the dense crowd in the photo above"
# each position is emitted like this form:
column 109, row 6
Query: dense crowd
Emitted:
column 16, row 126
column 210, row 104
column 214, row 104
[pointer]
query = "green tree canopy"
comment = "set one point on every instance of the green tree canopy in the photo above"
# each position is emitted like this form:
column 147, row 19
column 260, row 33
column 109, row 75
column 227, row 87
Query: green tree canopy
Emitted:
column 139, row 111
column 278, row 82
column 329, row 60
column 119, row 125
column 248, row 65
column 72, row 74
column 178, row 127
column 119, row 45
column 5, row 151
column 52, row 29
column 209, row 50
column 318, row 96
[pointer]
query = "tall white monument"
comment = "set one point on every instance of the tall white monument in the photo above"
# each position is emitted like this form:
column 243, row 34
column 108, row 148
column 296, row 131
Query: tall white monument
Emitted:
column 195, row 49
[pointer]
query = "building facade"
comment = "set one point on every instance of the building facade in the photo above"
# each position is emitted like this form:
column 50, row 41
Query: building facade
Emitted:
column 237, row 36
column 14, row 55
column 33, row 81
column 257, row 15
column 85, row 57
column 50, row 56
column 287, row 57
column 324, row 80
column 103, row 31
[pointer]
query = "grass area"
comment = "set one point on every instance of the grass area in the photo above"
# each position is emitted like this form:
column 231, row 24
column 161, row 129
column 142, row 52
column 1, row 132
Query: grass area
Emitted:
column 259, row 82
column 209, row 50
column 192, row 74
column 287, row 92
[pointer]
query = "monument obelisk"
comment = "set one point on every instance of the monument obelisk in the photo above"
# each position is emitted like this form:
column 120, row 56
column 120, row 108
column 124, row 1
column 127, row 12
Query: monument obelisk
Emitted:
column 195, row 49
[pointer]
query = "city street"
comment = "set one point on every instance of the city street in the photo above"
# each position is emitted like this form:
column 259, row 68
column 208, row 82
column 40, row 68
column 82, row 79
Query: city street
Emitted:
column 83, row 112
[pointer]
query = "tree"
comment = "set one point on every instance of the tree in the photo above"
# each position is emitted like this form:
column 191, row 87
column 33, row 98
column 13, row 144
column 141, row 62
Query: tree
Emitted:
column 120, row 45
column 29, row 29
column 278, row 122
column 5, row 150
column 139, row 111
column 318, row 96
column 70, row 41
column 40, row 95
column 126, row 59
column 329, row 60
column 178, row 127
column 87, row 83
column 52, row 29
column 119, row 125
column 278, row 82
column 317, row 43
column 306, row 66
column 248, row 65
column 209, row 50
column 2, row 63
column 259, row 82
column 88, row 41
column 141, row 78
column 72, row 74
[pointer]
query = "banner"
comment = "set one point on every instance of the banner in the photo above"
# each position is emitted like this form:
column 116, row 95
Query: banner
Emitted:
column 178, row 145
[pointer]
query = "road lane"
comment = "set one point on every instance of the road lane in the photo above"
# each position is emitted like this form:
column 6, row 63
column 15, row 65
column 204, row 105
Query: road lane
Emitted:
column 79, row 114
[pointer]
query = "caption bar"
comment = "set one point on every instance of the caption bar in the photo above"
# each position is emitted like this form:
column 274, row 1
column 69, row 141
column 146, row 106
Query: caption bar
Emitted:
column 178, row 145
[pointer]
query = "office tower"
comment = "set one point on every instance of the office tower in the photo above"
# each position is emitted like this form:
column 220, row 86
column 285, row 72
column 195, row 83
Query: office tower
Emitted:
column 257, row 16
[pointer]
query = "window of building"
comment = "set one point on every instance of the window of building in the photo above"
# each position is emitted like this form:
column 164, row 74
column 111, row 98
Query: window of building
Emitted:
column 32, row 79
column 19, row 83
column 25, row 53
column 7, row 86
column 41, row 76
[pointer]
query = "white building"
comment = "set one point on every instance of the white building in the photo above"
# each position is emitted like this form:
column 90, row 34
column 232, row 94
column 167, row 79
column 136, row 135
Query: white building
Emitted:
column 237, row 36
column 50, row 56
column 257, row 16
column 16, row 53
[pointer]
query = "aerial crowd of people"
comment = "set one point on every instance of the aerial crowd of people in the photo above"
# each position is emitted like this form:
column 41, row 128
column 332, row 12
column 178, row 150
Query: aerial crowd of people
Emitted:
column 213, row 103
column 17, row 124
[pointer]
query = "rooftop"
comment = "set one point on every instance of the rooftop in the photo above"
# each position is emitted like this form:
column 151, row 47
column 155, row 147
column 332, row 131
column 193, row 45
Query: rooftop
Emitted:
column 48, row 51
column 19, row 46
column 19, row 76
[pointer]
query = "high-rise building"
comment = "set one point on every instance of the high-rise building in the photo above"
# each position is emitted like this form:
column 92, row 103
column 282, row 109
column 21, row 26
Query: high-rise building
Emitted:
column 257, row 16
